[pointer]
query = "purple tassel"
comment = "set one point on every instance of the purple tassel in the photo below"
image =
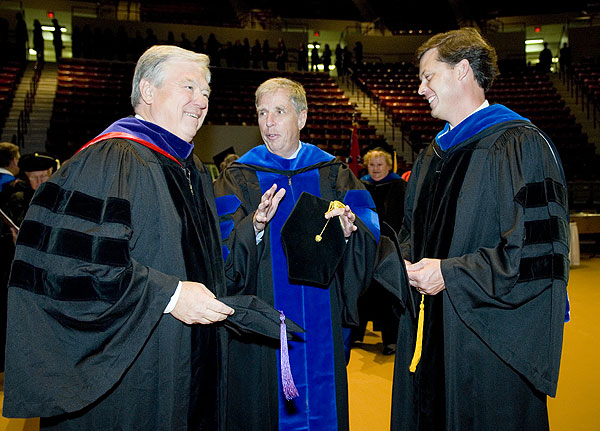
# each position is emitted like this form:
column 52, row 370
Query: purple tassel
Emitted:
column 287, row 381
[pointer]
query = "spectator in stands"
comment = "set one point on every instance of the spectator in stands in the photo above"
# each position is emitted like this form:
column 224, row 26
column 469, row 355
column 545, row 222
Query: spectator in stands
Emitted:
column 339, row 60
column 21, row 37
column 170, row 38
column 302, row 60
column 256, row 54
column 114, row 271
column 266, row 54
column 315, row 60
column 199, row 44
column 387, row 189
column 150, row 39
column 227, row 53
column 38, row 40
column 486, row 228
column 213, row 48
column 237, row 52
column 185, row 42
column 565, row 58
column 347, row 60
column 318, row 361
column 246, row 53
column 57, row 39
column 545, row 59
column 281, row 56
column 326, row 58
column 358, row 52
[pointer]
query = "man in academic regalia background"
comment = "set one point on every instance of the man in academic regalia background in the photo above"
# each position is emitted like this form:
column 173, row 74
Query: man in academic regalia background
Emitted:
column 279, row 171
column 387, row 189
column 486, row 227
column 34, row 169
column 116, row 268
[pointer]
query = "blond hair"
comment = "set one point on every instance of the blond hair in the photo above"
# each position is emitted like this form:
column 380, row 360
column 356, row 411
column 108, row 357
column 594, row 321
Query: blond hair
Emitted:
column 378, row 152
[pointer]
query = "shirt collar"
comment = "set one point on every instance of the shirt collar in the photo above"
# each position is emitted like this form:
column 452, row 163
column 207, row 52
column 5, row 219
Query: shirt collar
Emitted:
column 485, row 104
column 293, row 156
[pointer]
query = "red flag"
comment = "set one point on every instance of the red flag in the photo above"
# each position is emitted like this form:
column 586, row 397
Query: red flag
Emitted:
column 354, row 150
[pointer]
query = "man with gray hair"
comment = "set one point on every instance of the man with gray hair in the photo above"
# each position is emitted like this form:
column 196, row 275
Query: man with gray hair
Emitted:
column 257, row 195
column 117, row 265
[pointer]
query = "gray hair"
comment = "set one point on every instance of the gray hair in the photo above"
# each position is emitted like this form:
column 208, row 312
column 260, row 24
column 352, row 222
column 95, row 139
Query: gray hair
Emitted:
column 151, row 66
column 297, row 93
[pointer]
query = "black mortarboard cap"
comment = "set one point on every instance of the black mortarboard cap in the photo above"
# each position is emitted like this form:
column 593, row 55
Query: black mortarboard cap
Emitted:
column 218, row 158
column 38, row 162
column 309, row 261
column 255, row 316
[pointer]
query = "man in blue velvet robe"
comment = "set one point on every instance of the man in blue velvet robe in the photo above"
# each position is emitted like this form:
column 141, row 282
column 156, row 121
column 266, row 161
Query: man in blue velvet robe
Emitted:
column 116, row 269
column 486, row 227
column 271, row 177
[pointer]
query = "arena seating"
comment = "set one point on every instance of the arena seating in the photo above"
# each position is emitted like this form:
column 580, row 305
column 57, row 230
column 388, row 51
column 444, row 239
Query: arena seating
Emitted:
column 584, row 81
column 10, row 76
column 90, row 95
column 93, row 93
column 393, row 87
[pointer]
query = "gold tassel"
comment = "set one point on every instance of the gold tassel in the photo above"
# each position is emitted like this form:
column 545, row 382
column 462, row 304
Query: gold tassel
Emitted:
column 395, row 163
column 419, row 344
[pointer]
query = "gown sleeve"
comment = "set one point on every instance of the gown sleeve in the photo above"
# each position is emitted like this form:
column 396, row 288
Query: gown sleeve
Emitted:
column 81, row 307
column 237, row 199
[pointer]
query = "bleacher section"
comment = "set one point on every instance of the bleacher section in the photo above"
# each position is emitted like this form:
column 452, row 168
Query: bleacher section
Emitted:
column 93, row 93
column 584, row 81
column 10, row 76
column 393, row 87
column 330, row 117
column 90, row 95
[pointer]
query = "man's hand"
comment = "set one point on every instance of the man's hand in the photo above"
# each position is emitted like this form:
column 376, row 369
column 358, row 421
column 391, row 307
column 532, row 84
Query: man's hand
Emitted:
column 269, row 202
column 346, row 216
column 197, row 304
column 426, row 276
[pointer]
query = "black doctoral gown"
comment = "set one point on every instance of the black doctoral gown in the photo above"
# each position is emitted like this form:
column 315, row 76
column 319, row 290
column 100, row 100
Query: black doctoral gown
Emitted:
column 317, row 359
column 99, row 255
column 377, row 303
column 493, row 207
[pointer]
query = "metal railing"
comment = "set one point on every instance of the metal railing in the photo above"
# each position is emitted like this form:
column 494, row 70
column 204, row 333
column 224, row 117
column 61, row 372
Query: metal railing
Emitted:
column 24, row 115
